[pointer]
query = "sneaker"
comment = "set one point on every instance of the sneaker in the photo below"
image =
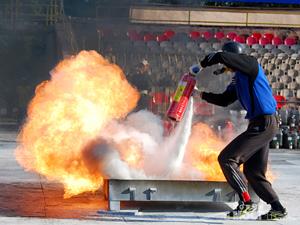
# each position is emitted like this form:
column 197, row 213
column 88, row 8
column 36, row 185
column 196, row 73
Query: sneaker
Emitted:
column 273, row 215
column 242, row 209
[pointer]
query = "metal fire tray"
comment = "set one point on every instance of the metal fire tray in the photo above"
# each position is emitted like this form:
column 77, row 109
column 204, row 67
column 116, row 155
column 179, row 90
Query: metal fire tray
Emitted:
column 169, row 190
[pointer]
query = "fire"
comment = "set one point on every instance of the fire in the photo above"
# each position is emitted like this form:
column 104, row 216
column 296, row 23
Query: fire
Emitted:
column 84, row 94
column 131, row 152
column 204, row 148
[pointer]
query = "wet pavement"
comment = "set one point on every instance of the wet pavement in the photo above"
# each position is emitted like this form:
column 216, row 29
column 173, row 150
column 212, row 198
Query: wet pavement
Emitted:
column 28, row 198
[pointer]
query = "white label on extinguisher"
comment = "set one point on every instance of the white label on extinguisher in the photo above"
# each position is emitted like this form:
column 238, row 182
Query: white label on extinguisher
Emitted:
column 179, row 91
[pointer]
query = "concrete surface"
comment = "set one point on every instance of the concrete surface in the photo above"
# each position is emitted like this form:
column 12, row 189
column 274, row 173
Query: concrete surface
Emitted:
column 27, row 198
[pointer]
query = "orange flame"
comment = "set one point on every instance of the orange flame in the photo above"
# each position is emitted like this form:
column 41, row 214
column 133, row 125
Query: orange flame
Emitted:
column 131, row 152
column 204, row 148
column 84, row 94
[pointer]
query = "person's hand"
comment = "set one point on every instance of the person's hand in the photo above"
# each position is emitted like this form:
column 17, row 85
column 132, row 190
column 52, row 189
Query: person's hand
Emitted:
column 197, row 93
column 195, row 69
column 205, row 62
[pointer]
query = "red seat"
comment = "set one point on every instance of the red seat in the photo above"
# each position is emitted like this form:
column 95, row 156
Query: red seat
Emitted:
column 207, row 35
column 149, row 37
column 239, row 39
column 194, row 34
column 289, row 41
column 277, row 41
column 270, row 36
column 251, row 41
column 136, row 37
column 169, row 33
column 264, row 41
column 131, row 32
column 219, row 35
column 171, row 97
column 231, row 35
column 257, row 36
column 201, row 108
column 160, row 98
column 161, row 37
column 120, row 33
column 280, row 101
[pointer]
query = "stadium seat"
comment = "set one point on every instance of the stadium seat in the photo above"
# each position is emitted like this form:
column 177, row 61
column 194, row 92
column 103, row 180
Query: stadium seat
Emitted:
column 251, row 41
column 161, row 37
column 284, row 67
column 194, row 34
column 245, row 46
column 248, row 51
column 290, row 51
column 171, row 97
column 231, row 35
column 287, row 93
column 225, row 39
column 289, row 41
column 219, row 35
column 201, row 108
column 277, row 41
column 269, row 36
column 280, row 101
column 107, row 35
column 257, row 36
column 160, row 98
column 285, row 79
column 152, row 43
column 239, row 39
column 277, row 85
column 169, row 33
column 200, row 39
column 295, row 47
column 204, row 45
column 192, row 45
column 136, row 37
column 283, row 47
column 292, row 73
column 277, row 73
column 213, row 40
column 178, row 44
column 131, row 32
column 217, row 46
column 293, row 86
column 272, row 79
column 263, row 51
column 276, row 51
column 207, row 35
column 160, row 101
column 264, row 41
column 149, row 37
column 165, row 44
column 270, row 47
column 257, row 46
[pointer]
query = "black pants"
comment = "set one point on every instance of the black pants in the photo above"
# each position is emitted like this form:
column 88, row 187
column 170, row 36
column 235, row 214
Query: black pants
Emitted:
column 251, row 148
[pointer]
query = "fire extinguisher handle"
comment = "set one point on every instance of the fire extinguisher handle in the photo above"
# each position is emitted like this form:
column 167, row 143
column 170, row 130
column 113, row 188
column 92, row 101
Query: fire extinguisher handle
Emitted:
column 195, row 69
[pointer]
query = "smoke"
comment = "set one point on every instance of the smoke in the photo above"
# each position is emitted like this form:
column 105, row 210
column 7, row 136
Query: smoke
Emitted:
column 156, row 157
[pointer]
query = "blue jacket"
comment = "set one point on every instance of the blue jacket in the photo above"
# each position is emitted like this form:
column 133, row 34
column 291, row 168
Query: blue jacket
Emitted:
column 251, row 86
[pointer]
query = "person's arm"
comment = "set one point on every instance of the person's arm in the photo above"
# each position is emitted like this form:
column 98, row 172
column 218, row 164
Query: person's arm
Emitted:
column 226, row 98
column 248, row 65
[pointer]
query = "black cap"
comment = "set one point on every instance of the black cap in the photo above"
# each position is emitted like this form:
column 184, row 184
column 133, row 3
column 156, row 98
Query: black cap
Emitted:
column 233, row 46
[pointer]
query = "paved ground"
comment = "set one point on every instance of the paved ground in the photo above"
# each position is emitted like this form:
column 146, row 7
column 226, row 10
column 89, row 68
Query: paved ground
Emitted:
column 27, row 198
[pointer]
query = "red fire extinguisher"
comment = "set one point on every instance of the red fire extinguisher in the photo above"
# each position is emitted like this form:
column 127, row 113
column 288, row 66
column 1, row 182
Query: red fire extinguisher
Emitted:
column 183, row 93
